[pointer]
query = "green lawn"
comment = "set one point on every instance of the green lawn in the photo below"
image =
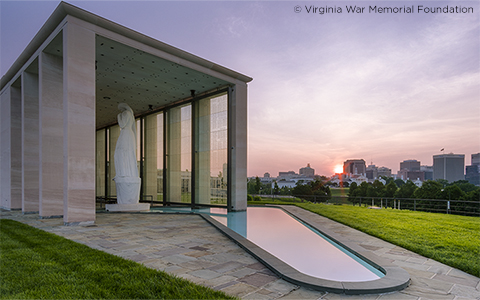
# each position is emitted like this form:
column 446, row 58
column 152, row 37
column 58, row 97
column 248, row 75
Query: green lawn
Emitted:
column 35, row 264
column 339, row 191
column 450, row 239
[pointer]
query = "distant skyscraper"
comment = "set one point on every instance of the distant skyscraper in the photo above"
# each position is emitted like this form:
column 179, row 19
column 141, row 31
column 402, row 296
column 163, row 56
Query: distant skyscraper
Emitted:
column 476, row 159
column 371, row 172
column 472, row 172
column 307, row 171
column 428, row 171
column 354, row 166
column 449, row 166
column 410, row 165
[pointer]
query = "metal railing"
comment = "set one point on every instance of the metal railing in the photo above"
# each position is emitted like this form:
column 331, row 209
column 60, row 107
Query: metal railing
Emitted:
column 458, row 207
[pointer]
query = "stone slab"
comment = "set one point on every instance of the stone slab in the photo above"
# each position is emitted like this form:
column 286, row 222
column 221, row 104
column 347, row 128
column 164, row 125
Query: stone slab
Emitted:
column 127, row 207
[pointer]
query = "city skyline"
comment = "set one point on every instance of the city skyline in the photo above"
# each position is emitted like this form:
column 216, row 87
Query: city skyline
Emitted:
column 338, row 169
column 327, row 87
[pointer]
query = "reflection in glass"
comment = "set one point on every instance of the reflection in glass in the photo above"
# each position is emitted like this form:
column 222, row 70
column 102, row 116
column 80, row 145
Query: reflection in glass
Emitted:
column 211, row 150
column 179, row 136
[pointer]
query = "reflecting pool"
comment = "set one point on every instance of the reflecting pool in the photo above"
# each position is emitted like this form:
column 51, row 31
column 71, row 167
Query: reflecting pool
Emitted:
column 299, row 246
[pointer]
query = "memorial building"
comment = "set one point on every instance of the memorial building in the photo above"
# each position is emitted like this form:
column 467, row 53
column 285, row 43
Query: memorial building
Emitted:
column 58, row 121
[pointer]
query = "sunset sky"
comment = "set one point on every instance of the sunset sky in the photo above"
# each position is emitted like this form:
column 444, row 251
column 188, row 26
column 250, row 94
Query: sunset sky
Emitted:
column 329, row 87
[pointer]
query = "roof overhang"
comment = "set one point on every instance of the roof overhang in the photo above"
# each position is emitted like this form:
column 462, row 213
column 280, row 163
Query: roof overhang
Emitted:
column 125, row 73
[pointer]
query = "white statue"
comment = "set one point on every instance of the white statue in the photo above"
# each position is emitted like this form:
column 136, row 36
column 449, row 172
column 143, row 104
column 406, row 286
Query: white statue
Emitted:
column 126, row 178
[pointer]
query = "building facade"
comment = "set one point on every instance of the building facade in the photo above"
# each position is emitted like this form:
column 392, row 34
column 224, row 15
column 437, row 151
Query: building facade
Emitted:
column 59, row 129
column 410, row 165
column 354, row 167
column 449, row 167
column 472, row 172
column 307, row 171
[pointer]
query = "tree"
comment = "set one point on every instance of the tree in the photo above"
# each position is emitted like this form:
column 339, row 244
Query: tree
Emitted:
column 465, row 186
column 258, row 185
column 390, row 189
column 379, row 188
column 452, row 192
column 406, row 190
column 302, row 190
column 362, row 189
column 399, row 182
column 352, row 192
column 443, row 182
column 473, row 195
column 429, row 190
column 276, row 189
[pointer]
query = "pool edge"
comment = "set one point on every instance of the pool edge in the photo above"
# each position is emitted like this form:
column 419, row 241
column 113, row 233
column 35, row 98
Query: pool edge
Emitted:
column 395, row 278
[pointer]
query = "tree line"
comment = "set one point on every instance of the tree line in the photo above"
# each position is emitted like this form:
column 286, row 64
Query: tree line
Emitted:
column 430, row 189
column 393, row 188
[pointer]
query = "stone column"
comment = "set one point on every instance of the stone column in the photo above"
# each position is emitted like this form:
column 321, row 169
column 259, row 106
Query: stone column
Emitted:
column 237, row 127
column 78, row 124
column 30, row 150
column 50, row 135
column 11, row 147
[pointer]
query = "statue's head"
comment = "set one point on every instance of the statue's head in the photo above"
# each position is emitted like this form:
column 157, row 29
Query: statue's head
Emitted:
column 124, row 106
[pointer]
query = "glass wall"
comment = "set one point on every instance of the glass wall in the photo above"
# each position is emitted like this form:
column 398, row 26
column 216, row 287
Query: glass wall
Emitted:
column 179, row 154
column 176, row 166
column 211, row 136
column 100, row 159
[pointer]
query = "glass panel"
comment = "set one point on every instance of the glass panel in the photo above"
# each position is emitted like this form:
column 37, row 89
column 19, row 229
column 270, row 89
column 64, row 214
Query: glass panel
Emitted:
column 211, row 151
column 100, row 164
column 159, row 157
column 114, row 132
column 179, row 156
column 151, row 157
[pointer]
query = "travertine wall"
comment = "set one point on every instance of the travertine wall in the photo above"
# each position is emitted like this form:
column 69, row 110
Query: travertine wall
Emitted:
column 30, row 150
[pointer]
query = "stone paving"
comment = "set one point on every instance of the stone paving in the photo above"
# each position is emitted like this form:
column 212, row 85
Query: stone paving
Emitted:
column 189, row 247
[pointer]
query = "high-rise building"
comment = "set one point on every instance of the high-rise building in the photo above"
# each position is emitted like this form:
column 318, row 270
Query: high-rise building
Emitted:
column 449, row 167
column 307, row 171
column 411, row 175
column 428, row 172
column 371, row 172
column 472, row 172
column 476, row 159
column 354, row 166
column 410, row 165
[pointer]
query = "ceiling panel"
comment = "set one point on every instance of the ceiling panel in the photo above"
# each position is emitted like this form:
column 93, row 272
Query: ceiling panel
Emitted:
column 126, row 74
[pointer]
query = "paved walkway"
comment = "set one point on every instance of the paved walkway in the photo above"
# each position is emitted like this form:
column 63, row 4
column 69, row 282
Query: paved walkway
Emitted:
column 189, row 247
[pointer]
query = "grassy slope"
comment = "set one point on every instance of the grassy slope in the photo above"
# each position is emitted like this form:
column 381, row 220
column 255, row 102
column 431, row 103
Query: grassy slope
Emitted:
column 450, row 239
column 35, row 264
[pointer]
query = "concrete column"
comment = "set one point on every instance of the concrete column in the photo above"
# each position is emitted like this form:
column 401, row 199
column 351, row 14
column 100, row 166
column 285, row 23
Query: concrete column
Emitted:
column 78, row 124
column 30, row 150
column 5, row 148
column 50, row 135
column 238, row 142
column 150, row 182
column 11, row 147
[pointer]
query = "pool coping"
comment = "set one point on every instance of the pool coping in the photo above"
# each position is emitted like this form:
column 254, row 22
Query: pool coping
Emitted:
column 395, row 278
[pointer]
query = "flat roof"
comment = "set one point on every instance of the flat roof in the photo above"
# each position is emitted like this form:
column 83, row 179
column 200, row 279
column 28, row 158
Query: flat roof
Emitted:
column 64, row 9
